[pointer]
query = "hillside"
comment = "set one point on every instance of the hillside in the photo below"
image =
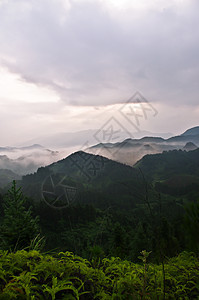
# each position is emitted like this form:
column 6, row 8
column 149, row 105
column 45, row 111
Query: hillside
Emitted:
column 169, row 163
column 7, row 176
column 84, row 178
column 86, row 173
column 189, row 147
column 132, row 150
column 87, row 203
column 192, row 131
column 173, row 172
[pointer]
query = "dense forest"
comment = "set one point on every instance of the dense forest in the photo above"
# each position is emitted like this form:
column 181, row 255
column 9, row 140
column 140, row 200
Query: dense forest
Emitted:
column 147, row 217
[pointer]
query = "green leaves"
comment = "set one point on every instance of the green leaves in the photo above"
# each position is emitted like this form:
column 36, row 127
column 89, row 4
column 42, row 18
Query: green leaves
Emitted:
column 18, row 227
column 22, row 284
column 192, row 224
column 144, row 256
column 32, row 275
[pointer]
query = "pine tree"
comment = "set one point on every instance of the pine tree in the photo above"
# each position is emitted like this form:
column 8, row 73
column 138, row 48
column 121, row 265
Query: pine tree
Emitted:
column 192, row 225
column 18, row 227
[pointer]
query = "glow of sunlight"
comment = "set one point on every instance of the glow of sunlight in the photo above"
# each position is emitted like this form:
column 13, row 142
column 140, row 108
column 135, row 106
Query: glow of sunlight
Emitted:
column 14, row 89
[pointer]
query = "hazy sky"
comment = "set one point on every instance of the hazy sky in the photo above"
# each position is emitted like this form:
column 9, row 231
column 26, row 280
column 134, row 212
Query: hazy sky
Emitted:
column 69, row 65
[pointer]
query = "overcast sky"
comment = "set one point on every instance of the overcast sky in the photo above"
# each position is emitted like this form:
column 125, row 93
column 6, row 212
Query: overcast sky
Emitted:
column 69, row 65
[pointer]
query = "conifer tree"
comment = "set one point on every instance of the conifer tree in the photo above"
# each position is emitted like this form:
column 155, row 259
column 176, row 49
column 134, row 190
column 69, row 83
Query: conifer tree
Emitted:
column 18, row 227
column 192, row 225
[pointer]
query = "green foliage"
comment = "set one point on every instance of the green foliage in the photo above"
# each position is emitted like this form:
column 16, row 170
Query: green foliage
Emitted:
column 18, row 227
column 192, row 224
column 116, row 215
column 63, row 286
column 37, row 243
column 120, row 210
column 170, row 163
column 32, row 275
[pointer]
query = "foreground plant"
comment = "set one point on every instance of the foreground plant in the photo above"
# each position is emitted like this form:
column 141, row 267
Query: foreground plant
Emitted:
column 31, row 275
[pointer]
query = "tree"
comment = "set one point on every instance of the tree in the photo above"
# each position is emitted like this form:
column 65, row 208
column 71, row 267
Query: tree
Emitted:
column 192, row 225
column 118, row 240
column 18, row 227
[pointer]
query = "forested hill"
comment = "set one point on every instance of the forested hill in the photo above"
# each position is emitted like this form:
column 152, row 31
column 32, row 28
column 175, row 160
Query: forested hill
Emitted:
column 174, row 173
column 6, row 176
column 85, row 167
column 94, row 173
column 86, row 172
column 88, row 203
column 169, row 163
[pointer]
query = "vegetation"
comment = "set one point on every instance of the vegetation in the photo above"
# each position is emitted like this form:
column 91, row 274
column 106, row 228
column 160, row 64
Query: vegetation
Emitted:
column 7, row 176
column 119, row 211
column 108, row 221
column 18, row 226
column 32, row 275
column 169, row 163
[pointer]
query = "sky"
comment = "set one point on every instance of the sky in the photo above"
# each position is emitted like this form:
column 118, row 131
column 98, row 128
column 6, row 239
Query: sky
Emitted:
column 71, row 65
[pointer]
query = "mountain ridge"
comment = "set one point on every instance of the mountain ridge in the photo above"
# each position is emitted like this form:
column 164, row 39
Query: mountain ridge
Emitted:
column 192, row 131
column 131, row 150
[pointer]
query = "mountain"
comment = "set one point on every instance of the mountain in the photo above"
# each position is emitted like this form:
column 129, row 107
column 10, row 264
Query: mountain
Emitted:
column 189, row 146
column 14, row 149
column 66, row 139
column 173, row 172
column 190, row 135
column 25, row 160
column 192, row 131
column 181, row 139
column 87, row 200
column 145, row 133
column 86, row 178
column 86, row 174
column 86, row 137
column 7, row 176
column 131, row 150
column 169, row 163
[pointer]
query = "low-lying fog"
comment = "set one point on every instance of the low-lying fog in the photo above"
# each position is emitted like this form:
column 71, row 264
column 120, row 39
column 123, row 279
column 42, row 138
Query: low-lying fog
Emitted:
column 27, row 160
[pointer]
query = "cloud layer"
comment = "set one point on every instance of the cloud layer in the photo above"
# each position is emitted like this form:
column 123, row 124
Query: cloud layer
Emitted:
column 64, row 55
column 95, row 52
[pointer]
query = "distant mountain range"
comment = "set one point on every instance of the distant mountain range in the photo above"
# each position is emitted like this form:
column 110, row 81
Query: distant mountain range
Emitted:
column 14, row 149
column 131, row 150
column 192, row 131
column 25, row 160
column 171, row 172
column 85, row 137
column 84, row 196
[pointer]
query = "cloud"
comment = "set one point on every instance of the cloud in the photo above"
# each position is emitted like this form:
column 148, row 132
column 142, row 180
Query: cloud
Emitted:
column 67, row 65
column 95, row 52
